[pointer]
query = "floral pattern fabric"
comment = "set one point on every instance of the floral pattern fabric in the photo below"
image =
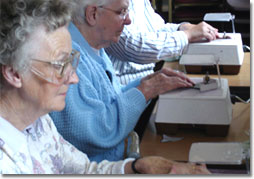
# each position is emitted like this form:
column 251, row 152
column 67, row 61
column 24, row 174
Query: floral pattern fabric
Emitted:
column 40, row 149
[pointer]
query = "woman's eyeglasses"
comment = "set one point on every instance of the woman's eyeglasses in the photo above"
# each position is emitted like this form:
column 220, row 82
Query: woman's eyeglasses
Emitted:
column 56, row 72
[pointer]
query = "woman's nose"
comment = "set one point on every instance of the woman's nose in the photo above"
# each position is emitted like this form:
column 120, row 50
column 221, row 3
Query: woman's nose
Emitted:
column 73, row 78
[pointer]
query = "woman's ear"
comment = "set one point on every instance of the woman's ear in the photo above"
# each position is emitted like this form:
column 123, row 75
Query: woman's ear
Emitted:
column 11, row 76
column 91, row 14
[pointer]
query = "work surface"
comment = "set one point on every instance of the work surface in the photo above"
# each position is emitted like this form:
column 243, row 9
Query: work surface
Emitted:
column 242, row 79
column 239, row 129
column 151, row 143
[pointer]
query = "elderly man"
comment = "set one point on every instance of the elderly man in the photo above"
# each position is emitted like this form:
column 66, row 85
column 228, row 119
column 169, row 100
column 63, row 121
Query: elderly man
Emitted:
column 146, row 41
column 99, row 112
column 149, row 39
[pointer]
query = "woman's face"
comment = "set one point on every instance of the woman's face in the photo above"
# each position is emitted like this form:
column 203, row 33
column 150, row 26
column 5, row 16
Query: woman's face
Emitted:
column 43, row 95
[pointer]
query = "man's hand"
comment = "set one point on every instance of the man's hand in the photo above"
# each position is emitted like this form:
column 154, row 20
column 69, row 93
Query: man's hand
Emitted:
column 199, row 32
column 163, row 81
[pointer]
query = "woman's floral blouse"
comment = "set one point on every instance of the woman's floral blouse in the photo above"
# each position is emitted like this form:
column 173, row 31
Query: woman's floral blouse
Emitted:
column 40, row 149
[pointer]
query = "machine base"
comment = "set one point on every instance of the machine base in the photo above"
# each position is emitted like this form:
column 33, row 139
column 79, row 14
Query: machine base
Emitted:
column 210, row 130
column 224, row 69
column 228, row 169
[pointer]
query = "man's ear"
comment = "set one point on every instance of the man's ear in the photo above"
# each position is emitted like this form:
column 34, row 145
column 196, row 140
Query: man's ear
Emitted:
column 91, row 14
column 11, row 76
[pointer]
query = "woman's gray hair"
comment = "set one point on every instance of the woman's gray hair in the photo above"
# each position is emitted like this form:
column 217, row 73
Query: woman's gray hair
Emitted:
column 19, row 19
column 78, row 14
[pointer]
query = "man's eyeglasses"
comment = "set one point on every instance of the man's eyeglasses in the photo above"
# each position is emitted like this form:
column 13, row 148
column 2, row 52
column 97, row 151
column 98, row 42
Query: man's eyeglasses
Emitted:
column 56, row 72
column 122, row 13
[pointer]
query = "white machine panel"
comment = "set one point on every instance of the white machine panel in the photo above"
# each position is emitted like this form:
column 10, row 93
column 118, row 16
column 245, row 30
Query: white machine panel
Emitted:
column 228, row 51
column 230, row 153
column 191, row 106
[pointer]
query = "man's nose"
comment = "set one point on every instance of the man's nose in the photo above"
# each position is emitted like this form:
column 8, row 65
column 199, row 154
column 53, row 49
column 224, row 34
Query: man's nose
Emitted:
column 127, row 20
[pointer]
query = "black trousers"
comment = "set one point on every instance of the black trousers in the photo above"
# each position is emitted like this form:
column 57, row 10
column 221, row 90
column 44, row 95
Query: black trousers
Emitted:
column 145, row 116
column 144, row 119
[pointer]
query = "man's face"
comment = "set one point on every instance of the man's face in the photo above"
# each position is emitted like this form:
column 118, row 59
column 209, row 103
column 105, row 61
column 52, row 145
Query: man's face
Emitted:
column 113, row 18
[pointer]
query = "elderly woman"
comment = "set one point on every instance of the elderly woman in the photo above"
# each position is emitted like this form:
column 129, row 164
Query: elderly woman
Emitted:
column 100, row 112
column 37, row 64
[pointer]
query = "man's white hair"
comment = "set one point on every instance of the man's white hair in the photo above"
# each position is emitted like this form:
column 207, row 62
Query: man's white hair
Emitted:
column 78, row 14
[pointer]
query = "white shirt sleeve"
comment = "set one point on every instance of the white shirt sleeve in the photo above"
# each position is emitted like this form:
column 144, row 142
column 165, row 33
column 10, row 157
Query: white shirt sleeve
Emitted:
column 148, row 38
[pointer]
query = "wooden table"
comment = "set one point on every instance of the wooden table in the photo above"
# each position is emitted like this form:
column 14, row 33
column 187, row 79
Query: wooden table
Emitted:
column 242, row 79
column 239, row 129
